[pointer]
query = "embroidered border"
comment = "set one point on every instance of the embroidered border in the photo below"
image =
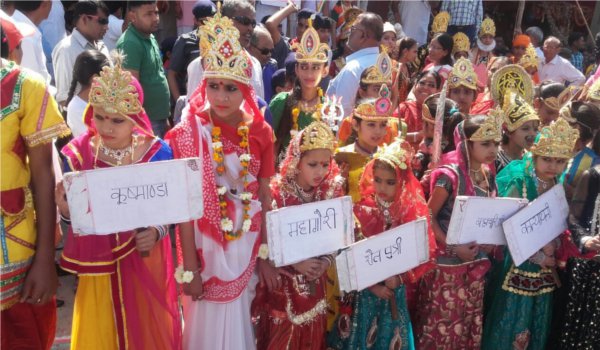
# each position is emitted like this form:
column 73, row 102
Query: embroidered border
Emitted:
column 15, row 103
column 11, row 282
column 46, row 135
column 529, row 283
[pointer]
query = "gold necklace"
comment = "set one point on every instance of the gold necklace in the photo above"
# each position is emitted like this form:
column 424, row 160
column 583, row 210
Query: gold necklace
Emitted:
column 117, row 154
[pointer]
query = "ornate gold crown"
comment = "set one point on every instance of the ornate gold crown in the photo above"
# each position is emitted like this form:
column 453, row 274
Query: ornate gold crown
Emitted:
column 317, row 135
column 399, row 154
column 380, row 109
column 517, row 111
column 556, row 103
column 221, row 52
column 487, row 27
column 310, row 48
column 112, row 90
column 461, row 43
column 529, row 58
column 593, row 93
column 511, row 77
column 381, row 72
column 556, row 140
column 440, row 22
column 491, row 129
column 462, row 74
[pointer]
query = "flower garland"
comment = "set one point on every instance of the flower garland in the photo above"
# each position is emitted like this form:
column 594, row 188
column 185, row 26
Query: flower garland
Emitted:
column 296, row 112
column 245, row 196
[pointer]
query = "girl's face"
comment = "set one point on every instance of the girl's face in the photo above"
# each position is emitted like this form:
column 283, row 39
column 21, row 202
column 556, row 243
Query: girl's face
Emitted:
column 487, row 39
column 548, row 168
column 546, row 114
column 410, row 54
column 436, row 52
column 389, row 39
column 224, row 96
column 384, row 181
column 114, row 129
column 313, row 167
column 483, row 152
column 310, row 74
column 525, row 135
column 372, row 91
column 427, row 130
column 425, row 87
column 518, row 52
column 459, row 54
column 463, row 96
column 370, row 133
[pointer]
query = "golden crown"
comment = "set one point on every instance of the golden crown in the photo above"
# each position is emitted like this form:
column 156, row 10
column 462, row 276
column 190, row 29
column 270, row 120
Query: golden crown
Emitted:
column 310, row 48
column 461, row 43
column 462, row 74
column 112, row 90
column 317, row 135
column 593, row 93
column 440, row 22
column 399, row 154
column 487, row 27
column 491, row 129
column 381, row 72
column 511, row 77
column 529, row 58
column 517, row 111
column 380, row 109
column 221, row 52
column 556, row 140
column 555, row 103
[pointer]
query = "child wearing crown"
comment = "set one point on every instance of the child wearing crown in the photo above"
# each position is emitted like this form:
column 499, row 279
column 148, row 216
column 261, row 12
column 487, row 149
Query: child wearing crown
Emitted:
column 294, row 314
column 293, row 111
column 481, row 54
column 225, row 128
column 451, row 306
column 520, row 313
column 122, row 300
column 462, row 85
column 378, row 317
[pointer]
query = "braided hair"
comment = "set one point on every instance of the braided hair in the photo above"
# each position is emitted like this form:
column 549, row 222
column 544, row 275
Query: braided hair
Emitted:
column 87, row 64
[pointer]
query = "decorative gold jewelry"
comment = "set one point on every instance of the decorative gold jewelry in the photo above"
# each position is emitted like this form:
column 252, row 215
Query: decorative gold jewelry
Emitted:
column 487, row 27
column 556, row 140
column 593, row 93
column 491, row 129
column 112, row 90
column 462, row 73
column 565, row 113
column 310, row 48
column 380, row 109
column 440, row 22
column 397, row 154
column 426, row 114
column 512, row 77
column 556, row 103
column 317, row 135
column 529, row 58
column 221, row 52
column 461, row 43
column 517, row 111
column 381, row 72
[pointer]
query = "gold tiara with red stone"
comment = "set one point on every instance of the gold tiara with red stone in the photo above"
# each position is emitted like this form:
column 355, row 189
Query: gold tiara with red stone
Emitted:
column 381, row 72
column 310, row 48
column 556, row 140
column 380, row 109
column 222, row 54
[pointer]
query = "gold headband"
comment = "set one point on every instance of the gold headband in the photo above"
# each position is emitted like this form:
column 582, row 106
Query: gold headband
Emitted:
column 491, row 129
column 381, row 109
column 556, row 103
column 565, row 113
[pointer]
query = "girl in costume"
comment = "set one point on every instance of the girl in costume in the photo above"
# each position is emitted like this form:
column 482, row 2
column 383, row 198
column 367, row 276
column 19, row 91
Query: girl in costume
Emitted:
column 114, row 279
column 427, row 83
column 370, row 122
column 529, row 61
column 224, row 127
column 295, row 314
column 293, row 111
column 461, row 46
column 484, row 101
column 550, row 98
column 520, row 312
column 371, row 81
column 390, row 196
column 407, row 53
column 519, row 47
column 481, row 55
column 451, row 305
column 462, row 85
column 440, row 55
column 521, row 127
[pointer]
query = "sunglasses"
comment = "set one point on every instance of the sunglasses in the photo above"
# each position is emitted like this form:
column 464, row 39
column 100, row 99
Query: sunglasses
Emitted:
column 101, row 20
column 245, row 21
column 264, row 51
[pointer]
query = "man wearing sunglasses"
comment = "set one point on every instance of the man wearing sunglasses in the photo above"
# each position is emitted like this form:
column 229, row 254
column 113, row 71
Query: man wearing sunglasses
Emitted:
column 90, row 20
column 261, row 47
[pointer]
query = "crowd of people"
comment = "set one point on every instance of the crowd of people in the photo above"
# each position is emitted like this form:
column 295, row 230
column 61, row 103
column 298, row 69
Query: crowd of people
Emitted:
column 402, row 115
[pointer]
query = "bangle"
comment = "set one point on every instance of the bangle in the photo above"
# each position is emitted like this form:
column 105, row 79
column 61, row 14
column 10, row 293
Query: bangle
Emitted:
column 450, row 250
column 182, row 276
column 162, row 231
column 64, row 219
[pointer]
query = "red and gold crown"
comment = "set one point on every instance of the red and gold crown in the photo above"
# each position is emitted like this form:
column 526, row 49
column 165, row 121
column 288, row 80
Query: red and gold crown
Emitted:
column 222, row 54
column 462, row 74
column 310, row 48
column 556, row 140
column 380, row 109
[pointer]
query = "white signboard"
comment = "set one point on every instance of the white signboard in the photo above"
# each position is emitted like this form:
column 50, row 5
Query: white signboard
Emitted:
column 479, row 219
column 537, row 224
column 117, row 199
column 304, row 231
column 377, row 258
